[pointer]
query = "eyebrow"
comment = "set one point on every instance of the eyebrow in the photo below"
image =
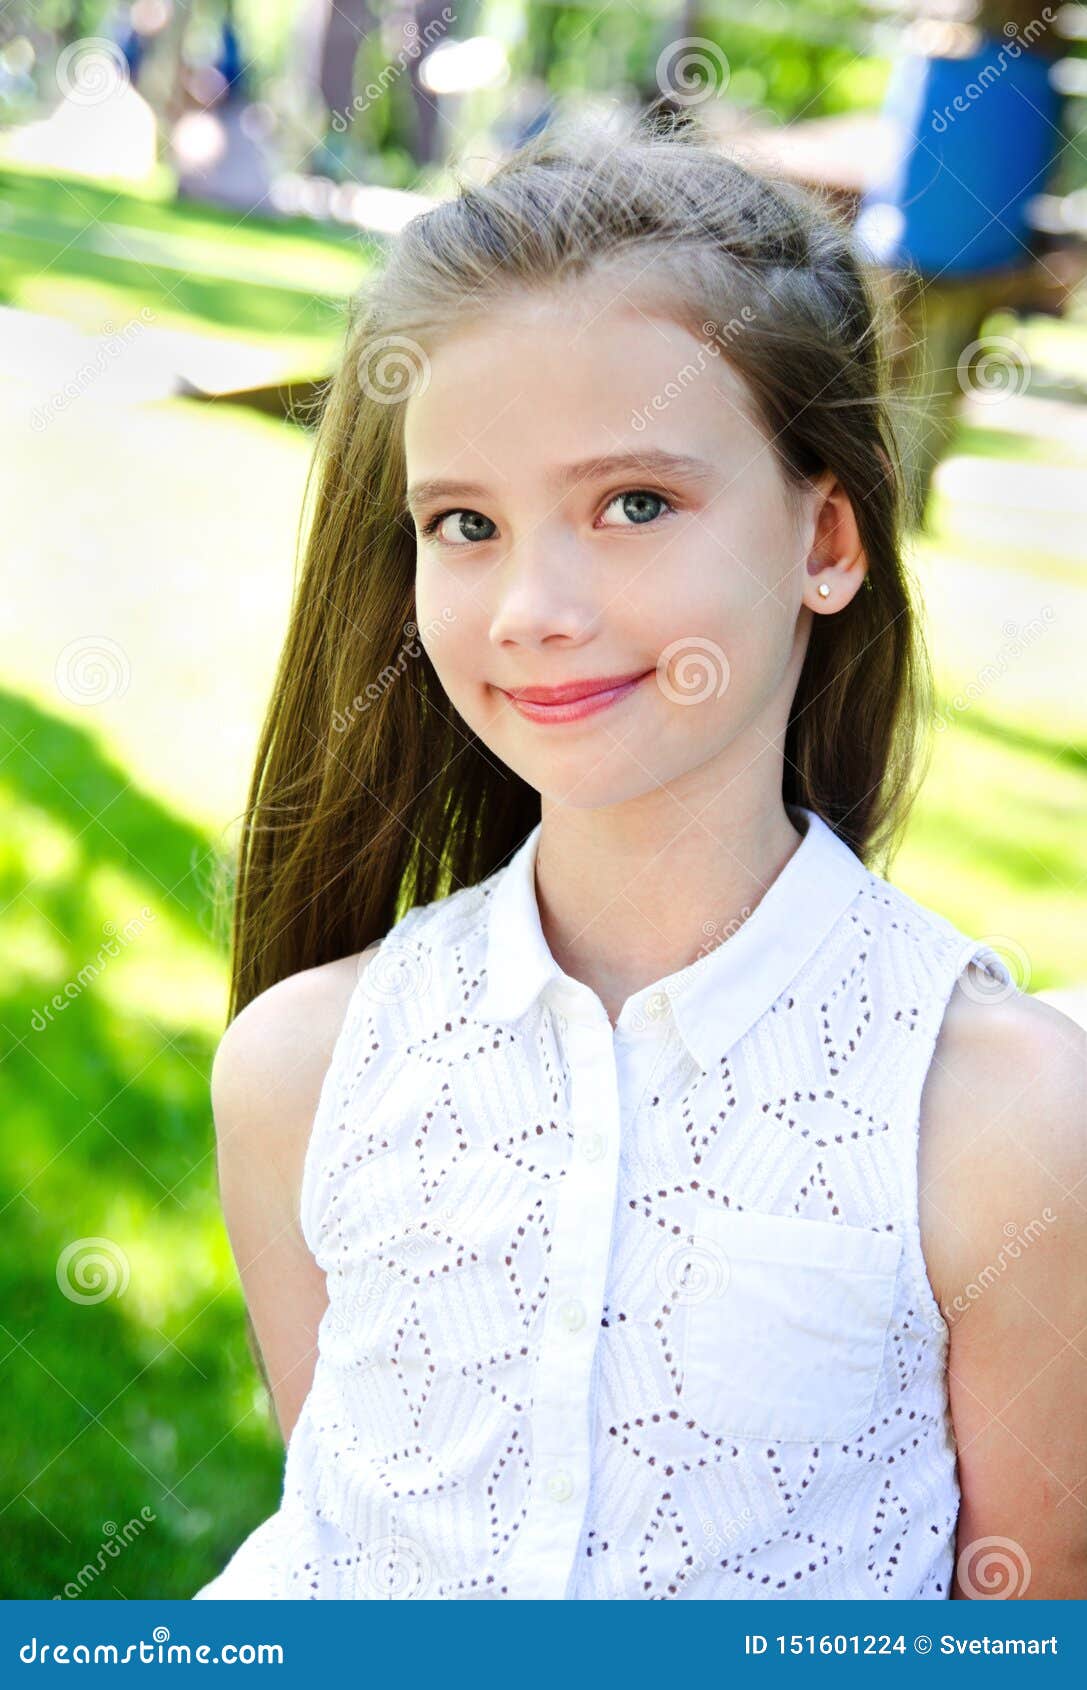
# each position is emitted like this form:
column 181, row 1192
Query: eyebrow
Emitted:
column 653, row 461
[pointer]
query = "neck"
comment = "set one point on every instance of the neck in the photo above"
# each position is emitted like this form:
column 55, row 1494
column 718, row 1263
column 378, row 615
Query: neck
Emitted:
column 624, row 902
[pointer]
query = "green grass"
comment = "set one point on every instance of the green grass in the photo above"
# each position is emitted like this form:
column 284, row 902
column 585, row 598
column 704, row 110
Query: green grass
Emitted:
column 171, row 529
column 95, row 256
column 996, row 844
column 148, row 1398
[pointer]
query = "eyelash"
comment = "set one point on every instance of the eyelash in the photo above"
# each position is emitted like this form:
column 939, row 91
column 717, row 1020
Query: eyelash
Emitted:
column 433, row 523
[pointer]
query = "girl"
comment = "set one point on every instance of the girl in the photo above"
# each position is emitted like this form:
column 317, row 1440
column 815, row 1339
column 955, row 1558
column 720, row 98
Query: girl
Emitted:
column 608, row 1151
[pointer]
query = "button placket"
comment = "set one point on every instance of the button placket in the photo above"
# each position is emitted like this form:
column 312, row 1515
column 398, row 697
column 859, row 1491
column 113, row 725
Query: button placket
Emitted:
column 543, row 1560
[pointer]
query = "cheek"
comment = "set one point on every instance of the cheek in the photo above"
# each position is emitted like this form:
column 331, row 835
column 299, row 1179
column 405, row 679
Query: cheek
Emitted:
column 725, row 637
column 452, row 629
column 432, row 595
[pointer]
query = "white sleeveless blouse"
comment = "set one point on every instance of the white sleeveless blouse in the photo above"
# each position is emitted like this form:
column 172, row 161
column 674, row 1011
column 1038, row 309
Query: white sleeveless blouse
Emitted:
column 636, row 1312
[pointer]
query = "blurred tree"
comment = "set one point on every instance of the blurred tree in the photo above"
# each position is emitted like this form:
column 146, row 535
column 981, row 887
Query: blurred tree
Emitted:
column 344, row 25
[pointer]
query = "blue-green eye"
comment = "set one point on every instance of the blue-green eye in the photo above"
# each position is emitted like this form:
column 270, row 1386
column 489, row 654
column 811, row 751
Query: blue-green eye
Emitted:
column 470, row 524
column 640, row 506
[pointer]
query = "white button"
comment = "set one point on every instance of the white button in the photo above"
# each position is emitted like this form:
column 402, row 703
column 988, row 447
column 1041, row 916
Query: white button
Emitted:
column 559, row 1484
column 572, row 1315
column 593, row 1146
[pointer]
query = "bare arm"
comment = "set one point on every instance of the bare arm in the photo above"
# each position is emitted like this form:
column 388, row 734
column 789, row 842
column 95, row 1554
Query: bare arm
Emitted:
column 265, row 1084
column 1004, row 1222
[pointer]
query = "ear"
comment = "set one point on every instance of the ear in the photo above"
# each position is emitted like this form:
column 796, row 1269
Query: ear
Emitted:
column 835, row 559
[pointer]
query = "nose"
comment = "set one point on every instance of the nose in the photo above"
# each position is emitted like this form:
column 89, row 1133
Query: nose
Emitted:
column 543, row 590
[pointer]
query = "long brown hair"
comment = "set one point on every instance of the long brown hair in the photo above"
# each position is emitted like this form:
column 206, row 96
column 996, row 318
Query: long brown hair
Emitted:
column 370, row 794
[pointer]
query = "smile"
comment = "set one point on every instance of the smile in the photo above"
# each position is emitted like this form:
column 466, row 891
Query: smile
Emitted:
column 573, row 709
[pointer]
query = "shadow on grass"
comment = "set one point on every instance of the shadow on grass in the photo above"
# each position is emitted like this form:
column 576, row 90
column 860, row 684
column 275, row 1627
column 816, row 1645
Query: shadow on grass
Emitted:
column 1045, row 746
column 81, row 233
column 242, row 305
column 974, row 440
column 127, row 1377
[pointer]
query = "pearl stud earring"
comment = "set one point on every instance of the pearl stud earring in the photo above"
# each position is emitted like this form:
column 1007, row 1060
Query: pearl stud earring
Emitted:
column 823, row 590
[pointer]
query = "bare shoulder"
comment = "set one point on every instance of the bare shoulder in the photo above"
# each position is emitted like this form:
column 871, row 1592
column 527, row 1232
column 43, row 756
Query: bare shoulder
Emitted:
column 1003, row 1124
column 265, row 1086
column 1004, row 1228
column 271, row 1061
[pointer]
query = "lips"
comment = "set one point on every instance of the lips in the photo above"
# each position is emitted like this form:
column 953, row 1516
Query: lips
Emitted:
column 573, row 690
column 589, row 698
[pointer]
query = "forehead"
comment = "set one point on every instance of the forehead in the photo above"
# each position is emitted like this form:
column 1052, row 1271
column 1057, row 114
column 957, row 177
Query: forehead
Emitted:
column 572, row 376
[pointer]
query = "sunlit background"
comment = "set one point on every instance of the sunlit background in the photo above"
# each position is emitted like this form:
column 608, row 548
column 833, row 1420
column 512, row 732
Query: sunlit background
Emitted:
column 189, row 193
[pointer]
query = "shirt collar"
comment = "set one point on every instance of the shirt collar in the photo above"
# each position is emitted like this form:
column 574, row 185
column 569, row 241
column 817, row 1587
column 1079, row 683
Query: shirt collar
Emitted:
column 715, row 999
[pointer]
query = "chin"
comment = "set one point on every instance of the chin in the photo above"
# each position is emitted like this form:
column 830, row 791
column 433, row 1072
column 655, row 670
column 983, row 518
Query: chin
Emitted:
column 598, row 790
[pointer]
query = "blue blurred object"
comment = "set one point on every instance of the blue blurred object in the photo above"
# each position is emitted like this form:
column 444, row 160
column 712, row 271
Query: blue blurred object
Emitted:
column 118, row 27
column 130, row 42
column 229, row 63
column 979, row 135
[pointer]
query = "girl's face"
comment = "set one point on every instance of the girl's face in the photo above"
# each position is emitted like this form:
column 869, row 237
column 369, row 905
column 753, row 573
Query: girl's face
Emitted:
column 607, row 509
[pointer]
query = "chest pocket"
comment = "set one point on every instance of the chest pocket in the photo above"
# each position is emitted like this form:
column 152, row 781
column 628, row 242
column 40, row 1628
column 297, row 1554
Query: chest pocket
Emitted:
column 786, row 1322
